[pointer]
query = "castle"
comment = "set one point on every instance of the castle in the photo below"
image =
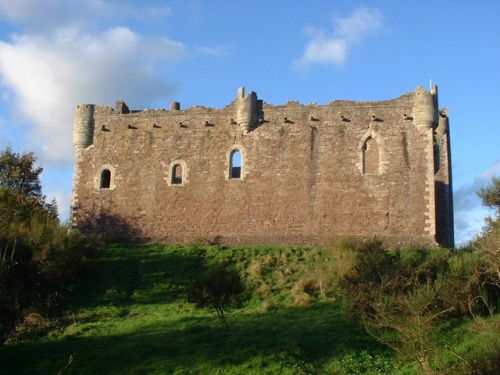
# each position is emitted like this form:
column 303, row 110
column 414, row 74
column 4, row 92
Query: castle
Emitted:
column 255, row 173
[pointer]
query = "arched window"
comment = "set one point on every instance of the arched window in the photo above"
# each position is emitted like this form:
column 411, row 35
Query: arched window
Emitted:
column 177, row 174
column 370, row 157
column 105, row 179
column 235, row 165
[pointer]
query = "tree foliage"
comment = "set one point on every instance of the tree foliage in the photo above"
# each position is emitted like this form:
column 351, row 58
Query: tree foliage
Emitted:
column 488, row 243
column 20, row 175
column 21, row 198
column 39, row 260
column 490, row 195
column 220, row 287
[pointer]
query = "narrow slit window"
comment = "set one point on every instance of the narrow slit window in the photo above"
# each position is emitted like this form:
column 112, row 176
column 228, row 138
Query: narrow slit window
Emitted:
column 105, row 179
column 177, row 174
column 370, row 157
column 235, row 167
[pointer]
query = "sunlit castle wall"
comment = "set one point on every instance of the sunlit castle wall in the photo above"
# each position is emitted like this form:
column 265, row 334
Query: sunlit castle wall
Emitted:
column 255, row 173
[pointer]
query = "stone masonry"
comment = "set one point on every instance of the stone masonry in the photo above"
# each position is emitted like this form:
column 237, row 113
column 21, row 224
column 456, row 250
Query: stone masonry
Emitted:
column 255, row 173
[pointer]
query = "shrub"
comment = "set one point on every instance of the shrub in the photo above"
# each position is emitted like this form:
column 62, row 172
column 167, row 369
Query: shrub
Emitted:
column 484, row 351
column 219, row 288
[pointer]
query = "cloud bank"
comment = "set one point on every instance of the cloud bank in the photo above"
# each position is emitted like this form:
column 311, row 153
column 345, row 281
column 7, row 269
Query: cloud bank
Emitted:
column 48, row 69
column 56, row 54
column 326, row 47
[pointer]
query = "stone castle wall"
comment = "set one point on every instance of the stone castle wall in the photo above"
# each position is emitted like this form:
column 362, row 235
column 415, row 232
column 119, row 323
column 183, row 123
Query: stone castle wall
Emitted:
column 308, row 174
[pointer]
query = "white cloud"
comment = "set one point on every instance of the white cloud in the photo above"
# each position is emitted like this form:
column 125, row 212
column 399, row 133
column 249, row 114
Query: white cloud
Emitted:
column 39, row 16
column 64, row 56
column 333, row 48
column 22, row 10
column 61, row 53
column 50, row 76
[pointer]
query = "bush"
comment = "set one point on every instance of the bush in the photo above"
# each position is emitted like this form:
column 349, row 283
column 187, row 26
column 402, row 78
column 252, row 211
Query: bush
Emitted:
column 484, row 352
column 407, row 298
column 219, row 288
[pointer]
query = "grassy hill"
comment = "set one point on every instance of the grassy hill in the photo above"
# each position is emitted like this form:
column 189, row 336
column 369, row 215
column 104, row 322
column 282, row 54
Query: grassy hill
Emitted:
column 130, row 316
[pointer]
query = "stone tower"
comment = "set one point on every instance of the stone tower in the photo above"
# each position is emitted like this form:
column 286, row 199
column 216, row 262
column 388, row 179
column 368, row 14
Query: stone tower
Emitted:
column 83, row 137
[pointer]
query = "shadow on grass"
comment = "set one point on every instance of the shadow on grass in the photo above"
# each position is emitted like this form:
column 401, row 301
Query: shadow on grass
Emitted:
column 138, row 323
column 138, row 274
column 262, row 342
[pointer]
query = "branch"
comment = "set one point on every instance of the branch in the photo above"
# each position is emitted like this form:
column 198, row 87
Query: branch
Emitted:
column 70, row 361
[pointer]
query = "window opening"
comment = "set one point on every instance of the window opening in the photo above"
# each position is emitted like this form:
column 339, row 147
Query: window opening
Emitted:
column 105, row 179
column 370, row 157
column 437, row 157
column 177, row 174
column 235, row 168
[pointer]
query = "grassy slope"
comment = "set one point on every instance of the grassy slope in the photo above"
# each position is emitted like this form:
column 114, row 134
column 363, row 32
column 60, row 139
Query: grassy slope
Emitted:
column 131, row 318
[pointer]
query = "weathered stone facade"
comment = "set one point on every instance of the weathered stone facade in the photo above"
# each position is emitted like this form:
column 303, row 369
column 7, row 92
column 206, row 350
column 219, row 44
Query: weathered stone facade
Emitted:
column 308, row 173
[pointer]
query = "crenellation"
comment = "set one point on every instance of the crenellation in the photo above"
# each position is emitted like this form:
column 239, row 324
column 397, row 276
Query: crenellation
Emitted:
column 121, row 107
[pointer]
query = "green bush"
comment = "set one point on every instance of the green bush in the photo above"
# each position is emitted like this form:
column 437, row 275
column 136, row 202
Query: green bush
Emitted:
column 483, row 352
column 408, row 298
column 361, row 363
column 219, row 288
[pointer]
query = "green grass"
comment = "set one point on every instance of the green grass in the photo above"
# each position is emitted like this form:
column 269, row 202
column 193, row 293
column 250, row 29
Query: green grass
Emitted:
column 131, row 317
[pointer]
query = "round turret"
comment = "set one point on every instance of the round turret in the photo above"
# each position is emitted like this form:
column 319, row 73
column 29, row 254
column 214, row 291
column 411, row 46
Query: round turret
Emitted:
column 424, row 109
column 246, row 115
column 443, row 122
column 83, row 131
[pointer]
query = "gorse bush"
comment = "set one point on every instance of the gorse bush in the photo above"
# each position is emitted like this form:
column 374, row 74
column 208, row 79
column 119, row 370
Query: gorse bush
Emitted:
column 483, row 351
column 407, row 298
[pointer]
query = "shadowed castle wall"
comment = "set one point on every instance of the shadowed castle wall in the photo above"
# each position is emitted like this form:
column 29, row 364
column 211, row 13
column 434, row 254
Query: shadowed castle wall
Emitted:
column 309, row 173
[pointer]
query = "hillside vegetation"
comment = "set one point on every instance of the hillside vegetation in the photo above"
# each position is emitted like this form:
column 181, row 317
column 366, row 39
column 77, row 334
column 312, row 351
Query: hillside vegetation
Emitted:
column 302, row 314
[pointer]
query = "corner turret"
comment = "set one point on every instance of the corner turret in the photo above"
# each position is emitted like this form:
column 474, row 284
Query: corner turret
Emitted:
column 443, row 121
column 83, row 130
column 425, row 109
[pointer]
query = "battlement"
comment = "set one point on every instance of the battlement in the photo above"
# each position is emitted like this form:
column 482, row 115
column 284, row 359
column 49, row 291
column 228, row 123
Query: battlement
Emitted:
column 258, row 173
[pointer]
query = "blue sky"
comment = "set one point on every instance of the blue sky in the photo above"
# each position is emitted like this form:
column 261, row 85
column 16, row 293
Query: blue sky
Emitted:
column 55, row 54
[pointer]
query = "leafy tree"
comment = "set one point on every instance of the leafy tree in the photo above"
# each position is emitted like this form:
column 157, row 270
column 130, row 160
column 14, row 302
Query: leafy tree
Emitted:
column 219, row 288
column 20, row 175
column 488, row 243
column 490, row 195
column 21, row 197
column 39, row 261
